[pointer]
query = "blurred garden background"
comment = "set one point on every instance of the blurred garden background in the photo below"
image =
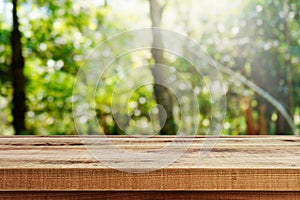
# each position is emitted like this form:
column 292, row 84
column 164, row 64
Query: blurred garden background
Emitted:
column 44, row 43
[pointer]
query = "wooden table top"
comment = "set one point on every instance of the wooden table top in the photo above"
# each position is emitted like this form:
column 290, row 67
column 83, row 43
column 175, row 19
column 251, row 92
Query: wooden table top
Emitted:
column 259, row 163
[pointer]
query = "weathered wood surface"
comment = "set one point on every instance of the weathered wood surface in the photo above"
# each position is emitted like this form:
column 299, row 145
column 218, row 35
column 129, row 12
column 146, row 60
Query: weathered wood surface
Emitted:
column 234, row 164
column 150, row 195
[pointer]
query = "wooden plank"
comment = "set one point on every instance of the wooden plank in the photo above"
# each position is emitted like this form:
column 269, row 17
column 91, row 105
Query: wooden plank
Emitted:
column 153, row 195
column 234, row 164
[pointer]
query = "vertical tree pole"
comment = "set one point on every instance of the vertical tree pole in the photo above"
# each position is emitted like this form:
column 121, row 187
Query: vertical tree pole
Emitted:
column 162, row 94
column 18, row 78
column 289, row 72
column 282, row 127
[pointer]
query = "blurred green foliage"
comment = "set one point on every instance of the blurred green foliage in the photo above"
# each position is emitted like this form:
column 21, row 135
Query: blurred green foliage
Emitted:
column 256, row 38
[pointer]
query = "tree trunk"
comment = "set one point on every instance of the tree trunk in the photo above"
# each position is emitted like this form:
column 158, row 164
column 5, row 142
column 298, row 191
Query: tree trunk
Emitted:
column 18, row 78
column 282, row 127
column 251, row 123
column 262, row 122
column 162, row 94
column 289, row 73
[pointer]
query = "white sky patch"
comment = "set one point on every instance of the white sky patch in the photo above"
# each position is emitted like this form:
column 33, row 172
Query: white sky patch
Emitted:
column 100, row 2
column 6, row 10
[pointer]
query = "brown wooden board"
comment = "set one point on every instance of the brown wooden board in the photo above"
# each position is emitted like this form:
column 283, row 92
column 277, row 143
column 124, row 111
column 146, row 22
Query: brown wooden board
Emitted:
column 151, row 195
column 264, row 163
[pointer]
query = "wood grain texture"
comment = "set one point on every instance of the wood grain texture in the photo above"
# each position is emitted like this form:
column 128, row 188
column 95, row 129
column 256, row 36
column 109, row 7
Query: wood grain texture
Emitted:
column 234, row 164
column 151, row 195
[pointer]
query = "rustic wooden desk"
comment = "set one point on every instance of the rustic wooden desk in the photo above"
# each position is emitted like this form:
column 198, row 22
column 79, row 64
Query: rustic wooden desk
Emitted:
column 237, row 168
